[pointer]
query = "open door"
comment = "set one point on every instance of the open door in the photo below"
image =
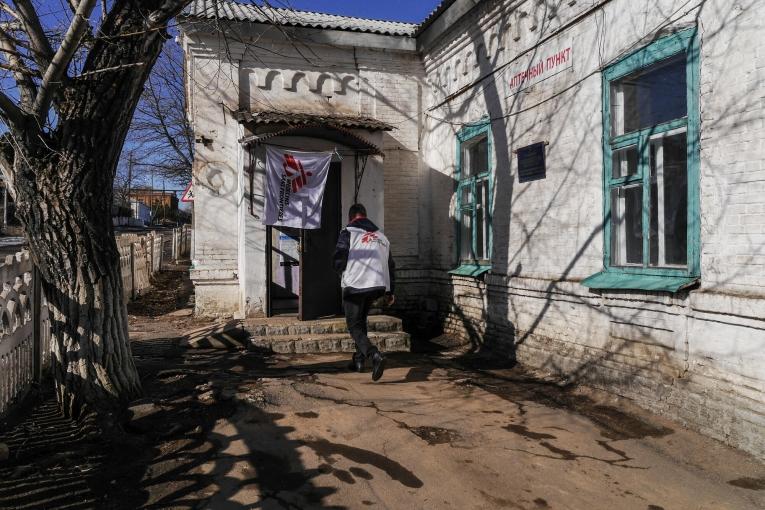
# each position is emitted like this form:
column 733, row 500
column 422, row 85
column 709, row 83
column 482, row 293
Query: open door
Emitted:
column 320, row 294
column 283, row 245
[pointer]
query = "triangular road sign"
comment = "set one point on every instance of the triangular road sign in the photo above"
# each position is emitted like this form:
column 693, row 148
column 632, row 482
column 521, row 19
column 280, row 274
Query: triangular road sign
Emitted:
column 188, row 194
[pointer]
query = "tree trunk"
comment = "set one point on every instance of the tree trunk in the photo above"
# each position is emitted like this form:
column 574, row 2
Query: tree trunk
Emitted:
column 93, row 365
column 63, row 182
column 72, row 242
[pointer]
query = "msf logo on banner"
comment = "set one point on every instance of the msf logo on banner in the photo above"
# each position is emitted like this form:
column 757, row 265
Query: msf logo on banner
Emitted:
column 293, row 180
column 294, row 171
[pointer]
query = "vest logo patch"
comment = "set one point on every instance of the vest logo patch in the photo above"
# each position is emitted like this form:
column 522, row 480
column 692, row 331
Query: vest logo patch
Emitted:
column 369, row 237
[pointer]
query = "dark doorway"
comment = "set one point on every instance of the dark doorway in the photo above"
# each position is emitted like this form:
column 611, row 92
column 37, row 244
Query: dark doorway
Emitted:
column 301, row 279
column 320, row 294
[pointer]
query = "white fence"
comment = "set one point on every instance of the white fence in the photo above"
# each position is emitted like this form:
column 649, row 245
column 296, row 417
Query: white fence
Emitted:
column 25, row 333
column 25, row 330
column 140, row 257
column 181, row 243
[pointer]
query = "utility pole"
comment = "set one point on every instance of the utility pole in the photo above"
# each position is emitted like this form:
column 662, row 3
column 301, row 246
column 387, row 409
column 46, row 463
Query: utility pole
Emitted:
column 130, row 177
column 130, row 185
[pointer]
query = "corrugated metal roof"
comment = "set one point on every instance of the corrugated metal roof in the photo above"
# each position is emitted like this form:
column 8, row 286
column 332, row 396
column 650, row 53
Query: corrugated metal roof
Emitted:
column 336, row 133
column 226, row 9
column 433, row 16
column 295, row 118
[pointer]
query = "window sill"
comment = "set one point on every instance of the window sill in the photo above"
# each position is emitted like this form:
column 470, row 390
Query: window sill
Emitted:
column 473, row 270
column 626, row 281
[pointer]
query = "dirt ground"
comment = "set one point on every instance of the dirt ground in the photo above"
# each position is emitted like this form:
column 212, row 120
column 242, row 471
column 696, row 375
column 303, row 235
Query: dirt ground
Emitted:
column 441, row 430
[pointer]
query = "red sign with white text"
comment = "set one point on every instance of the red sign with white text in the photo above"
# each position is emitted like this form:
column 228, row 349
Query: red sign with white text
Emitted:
column 539, row 69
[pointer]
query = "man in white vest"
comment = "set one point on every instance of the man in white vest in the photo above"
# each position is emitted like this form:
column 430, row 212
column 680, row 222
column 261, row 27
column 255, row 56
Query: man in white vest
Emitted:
column 363, row 257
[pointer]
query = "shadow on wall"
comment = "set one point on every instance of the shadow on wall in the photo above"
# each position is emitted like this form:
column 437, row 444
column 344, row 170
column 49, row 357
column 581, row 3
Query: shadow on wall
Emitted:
column 485, row 310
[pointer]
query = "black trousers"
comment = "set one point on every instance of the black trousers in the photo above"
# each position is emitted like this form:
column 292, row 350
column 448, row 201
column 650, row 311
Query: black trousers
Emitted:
column 356, row 308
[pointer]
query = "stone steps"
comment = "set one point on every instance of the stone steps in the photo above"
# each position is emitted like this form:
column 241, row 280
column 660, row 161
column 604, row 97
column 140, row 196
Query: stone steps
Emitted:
column 395, row 341
column 280, row 327
column 287, row 335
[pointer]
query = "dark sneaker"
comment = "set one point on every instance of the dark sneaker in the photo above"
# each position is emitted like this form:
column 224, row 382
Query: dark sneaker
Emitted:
column 356, row 364
column 378, row 365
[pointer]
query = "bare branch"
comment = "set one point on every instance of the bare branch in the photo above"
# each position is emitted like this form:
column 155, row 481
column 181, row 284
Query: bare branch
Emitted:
column 110, row 69
column 41, row 48
column 21, row 73
column 6, row 166
column 166, row 10
column 7, row 8
column 58, row 65
column 11, row 113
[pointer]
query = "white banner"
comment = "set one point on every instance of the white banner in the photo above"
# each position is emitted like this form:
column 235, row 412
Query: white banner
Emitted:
column 295, row 187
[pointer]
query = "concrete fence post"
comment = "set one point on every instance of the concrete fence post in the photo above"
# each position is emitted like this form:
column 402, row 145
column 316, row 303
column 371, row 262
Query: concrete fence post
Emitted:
column 37, row 351
column 132, row 270
column 150, row 255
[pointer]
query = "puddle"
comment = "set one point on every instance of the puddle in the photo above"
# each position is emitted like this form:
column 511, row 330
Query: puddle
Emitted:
column 618, row 425
column 434, row 435
column 523, row 431
column 755, row 484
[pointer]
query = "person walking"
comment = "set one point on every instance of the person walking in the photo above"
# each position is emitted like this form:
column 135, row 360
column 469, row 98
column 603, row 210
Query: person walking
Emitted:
column 363, row 258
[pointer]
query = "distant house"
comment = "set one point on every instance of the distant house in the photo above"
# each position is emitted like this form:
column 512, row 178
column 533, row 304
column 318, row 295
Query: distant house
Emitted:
column 155, row 199
column 130, row 214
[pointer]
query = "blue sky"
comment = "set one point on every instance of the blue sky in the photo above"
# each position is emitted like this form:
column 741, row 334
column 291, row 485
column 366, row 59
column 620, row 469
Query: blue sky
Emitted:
column 413, row 11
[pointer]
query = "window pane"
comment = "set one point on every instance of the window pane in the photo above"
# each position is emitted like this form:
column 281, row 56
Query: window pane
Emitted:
column 480, row 157
column 669, row 201
column 486, row 219
column 475, row 157
column 625, row 162
column 466, row 235
column 480, row 220
column 466, row 164
column 466, row 196
column 627, row 225
column 650, row 96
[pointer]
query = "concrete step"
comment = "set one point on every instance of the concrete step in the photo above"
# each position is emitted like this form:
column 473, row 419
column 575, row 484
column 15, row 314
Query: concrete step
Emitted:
column 310, row 343
column 291, row 326
column 229, row 335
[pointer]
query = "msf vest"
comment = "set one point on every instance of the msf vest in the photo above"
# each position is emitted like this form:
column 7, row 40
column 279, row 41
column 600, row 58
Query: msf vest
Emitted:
column 367, row 266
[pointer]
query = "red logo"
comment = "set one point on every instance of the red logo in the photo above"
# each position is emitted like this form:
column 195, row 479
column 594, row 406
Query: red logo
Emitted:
column 369, row 237
column 295, row 172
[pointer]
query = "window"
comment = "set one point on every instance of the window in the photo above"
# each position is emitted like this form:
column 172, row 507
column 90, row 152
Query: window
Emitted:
column 474, row 200
column 650, row 145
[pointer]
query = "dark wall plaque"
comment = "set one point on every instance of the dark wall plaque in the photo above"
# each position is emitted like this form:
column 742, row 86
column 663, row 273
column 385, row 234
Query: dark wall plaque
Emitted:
column 531, row 162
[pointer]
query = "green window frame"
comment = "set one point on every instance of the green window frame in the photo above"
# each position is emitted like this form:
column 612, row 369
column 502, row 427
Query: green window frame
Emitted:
column 640, row 155
column 474, row 199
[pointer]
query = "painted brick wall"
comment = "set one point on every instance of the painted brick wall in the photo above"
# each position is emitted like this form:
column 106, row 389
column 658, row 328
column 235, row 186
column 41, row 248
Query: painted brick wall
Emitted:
column 697, row 356
column 270, row 73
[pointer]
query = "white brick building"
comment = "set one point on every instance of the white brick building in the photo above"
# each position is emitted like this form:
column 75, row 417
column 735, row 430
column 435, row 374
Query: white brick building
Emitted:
column 632, row 259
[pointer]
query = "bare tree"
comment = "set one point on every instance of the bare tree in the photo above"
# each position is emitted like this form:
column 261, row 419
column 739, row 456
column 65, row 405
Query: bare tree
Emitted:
column 160, row 128
column 67, row 101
